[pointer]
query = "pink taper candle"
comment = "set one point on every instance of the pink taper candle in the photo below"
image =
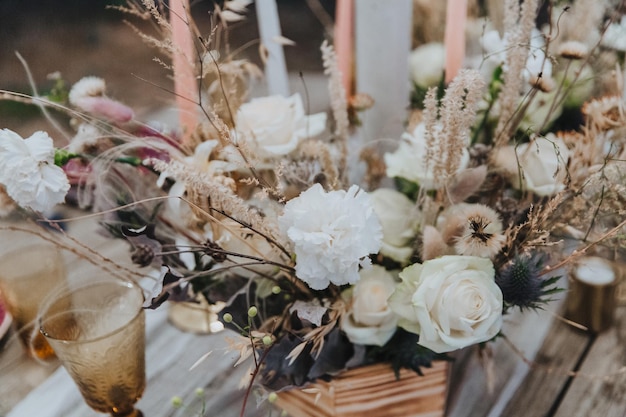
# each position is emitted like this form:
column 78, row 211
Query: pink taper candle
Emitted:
column 454, row 37
column 344, row 46
column 185, row 84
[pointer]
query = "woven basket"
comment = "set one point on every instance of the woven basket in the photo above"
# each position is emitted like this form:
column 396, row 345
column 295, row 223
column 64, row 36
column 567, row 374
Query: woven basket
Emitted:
column 372, row 391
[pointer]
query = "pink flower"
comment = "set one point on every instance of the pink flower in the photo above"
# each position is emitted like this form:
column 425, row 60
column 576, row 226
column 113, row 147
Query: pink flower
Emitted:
column 88, row 94
column 106, row 108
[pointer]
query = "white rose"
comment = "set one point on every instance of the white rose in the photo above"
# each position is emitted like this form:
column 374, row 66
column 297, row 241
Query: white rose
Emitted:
column 28, row 171
column 409, row 160
column 371, row 321
column 542, row 162
column 398, row 217
column 451, row 302
column 541, row 108
column 426, row 64
column 615, row 35
column 277, row 124
column 495, row 49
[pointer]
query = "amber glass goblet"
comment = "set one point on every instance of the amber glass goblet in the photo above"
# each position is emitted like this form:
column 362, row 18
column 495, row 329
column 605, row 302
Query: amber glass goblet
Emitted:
column 27, row 276
column 98, row 332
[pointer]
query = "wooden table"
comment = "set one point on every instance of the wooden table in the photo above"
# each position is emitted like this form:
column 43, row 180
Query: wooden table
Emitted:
column 545, row 388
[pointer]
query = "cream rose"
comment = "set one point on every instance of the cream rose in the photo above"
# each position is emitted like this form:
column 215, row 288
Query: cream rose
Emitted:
column 370, row 321
column 451, row 302
column 277, row 124
column 398, row 217
column 542, row 162
column 409, row 160
column 426, row 64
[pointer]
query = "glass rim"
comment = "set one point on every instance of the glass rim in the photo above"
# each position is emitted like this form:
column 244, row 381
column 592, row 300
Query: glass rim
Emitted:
column 48, row 247
column 65, row 292
column 53, row 247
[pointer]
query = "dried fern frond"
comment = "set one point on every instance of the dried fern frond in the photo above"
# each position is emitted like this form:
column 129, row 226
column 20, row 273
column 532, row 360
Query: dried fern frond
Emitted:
column 219, row 196
column 338, row 102
column 458, row 113
column 147, row 10
column 430, row 117
column 132, row 8
column 321, row 152
column 605, row 113
column 581, row 22
column 376, row 169
column 447, row 129
column 227, row 83
column 520, row 23
column 535, row 232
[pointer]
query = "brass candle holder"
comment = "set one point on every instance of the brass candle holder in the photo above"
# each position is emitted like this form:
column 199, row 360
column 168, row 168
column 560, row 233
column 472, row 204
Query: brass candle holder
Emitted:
column 592, row 300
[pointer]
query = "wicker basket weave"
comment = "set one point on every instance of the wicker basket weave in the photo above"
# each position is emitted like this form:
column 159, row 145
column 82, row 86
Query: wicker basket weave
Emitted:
column 372, row 391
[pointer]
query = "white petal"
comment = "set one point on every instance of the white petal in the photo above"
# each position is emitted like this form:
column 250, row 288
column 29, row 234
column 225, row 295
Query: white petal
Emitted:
column 40, row 146
column 228, row 16
column 281, row 40
column 238, row 6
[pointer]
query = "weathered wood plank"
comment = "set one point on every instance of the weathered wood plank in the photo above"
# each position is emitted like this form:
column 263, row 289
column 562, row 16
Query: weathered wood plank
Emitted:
column 542, row 385
column 18, row 374
column 470, row 380
column 599, row 390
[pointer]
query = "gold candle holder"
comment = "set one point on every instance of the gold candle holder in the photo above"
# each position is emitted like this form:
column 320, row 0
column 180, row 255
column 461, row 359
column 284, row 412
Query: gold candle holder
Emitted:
column 591, row 300
column 199, row 318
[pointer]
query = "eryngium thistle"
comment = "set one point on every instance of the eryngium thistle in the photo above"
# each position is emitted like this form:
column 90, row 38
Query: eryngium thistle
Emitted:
column 521, row 283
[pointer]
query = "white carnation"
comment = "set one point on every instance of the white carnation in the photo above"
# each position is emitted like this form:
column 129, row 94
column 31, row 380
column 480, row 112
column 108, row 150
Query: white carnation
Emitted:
column 28, row 171
column 332, row 232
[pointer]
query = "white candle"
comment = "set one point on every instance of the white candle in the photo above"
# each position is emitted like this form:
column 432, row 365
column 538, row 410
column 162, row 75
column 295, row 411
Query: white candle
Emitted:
column 382, row 64
column 595, row 271
column 269, row 30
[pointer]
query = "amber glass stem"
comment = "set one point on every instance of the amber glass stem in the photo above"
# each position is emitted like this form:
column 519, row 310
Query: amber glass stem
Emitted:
column 134, row 413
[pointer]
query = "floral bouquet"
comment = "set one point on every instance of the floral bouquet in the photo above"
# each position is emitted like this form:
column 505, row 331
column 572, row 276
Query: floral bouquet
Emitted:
column 328, row 253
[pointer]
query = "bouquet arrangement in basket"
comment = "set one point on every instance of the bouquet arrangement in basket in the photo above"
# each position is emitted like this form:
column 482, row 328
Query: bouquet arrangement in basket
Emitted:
column 329, row 253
